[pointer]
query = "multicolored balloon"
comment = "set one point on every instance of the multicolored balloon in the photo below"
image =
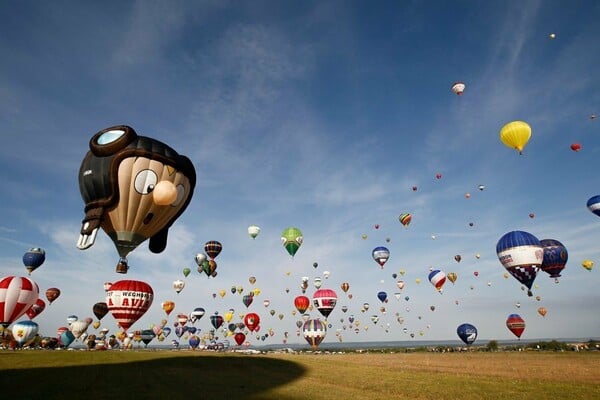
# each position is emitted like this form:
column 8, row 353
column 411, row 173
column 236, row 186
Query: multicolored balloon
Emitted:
column 292, row 239
column 134, row 188
column 325, row 300
column 555, row 257
column 521, row 254
column 314, row 331
column 381, row 254
column 437, row 279
column 405, row 219
column 213, row 248
column 24, row 331
column 458, row 88
column 593, row 204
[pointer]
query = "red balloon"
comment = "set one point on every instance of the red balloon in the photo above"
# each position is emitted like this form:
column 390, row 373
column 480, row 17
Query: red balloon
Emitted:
column 325, row 301
column 239, row 338
column 302, row 303
column 252, row 320
column 17, row 295
column 36, row 308
column 52, row 294
column 128, row 300
column 438, row 176
column 515, row 324
column 575, row 147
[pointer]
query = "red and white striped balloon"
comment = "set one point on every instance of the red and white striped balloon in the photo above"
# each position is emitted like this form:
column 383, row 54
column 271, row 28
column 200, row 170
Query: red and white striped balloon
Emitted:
column 128, row 301
column 17, row 295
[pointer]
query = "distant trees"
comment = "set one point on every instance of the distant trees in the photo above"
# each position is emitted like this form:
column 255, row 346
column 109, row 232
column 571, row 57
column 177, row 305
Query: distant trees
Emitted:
column 492, row 345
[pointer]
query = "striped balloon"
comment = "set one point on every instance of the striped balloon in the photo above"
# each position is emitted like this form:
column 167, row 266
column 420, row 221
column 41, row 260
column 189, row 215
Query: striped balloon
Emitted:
column 17, row 295
column 314, row 332
column 521, row 254
column 325, row 300
column 515, row 324
column 128, row 300
column 437, row 279
column 593, row 204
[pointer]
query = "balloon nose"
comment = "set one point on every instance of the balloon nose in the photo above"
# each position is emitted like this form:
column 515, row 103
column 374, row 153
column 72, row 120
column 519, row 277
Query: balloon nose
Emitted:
column 164, row 193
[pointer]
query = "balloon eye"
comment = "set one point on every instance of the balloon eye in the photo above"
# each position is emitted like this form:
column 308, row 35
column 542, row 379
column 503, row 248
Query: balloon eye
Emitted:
column 299, row 239
column 180, row 196
column 110, row 136
column 145, row 181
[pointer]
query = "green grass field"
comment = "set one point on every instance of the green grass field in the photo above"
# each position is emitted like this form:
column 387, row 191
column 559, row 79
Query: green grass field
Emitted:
column 202, row 375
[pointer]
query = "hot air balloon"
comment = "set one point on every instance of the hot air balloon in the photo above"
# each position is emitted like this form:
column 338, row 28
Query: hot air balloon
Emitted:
column 555, row 257
column 216, row 320
column 301, row 303
column 36, row 308
column 134, row 188
column 168, row 306
column 437, row 279
column 381, row 255
column 239, row 338
column 405, row 219
column 457, row 258
column 128, row 301
column 382, row 296
column 253, row 231
column 452, row 276
column 52, row 294
column 24, row 331
column 576, row 147
column 458, row 88
column 325, row 300
column 186, row 271
column 542, row 311
column 314, row 332
column 515, row 135
column 197, row 314
column 593, row 204
column 252, row 321
column 467, row 333
column 17, row 295
column 292, row 239
column 317, row 282
column 515, row 324
column 345, row 286
column 79, row 328
column 178, row 285
column 100, row 309
column 247, row 299
column 521, row 254
column 33, row 259
column 587, row 264
column 147, row 335
column 212, row 248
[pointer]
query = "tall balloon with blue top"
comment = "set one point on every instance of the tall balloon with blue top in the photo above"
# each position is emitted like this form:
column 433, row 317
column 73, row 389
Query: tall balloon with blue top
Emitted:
column 555, row 257
column 521, row 254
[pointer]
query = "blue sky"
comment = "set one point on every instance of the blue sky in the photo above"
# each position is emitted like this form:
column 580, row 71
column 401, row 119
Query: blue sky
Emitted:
column 319, row 115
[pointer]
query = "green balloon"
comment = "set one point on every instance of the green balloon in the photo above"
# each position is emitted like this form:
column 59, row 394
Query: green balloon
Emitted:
column 292, row 240
column 186, row 272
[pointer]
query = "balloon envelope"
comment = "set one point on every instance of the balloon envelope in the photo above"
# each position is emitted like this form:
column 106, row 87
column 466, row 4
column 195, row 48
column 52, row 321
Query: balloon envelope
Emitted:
column 17, row 295
column 325, row 300
column 467, row 333
column 515, row 324
column 521, row 254
column 33, row 259
column 134, row 188
column 593, row 204
column 292, row 239
column 555, row 257
column 381, row 254
column 515, row 135
column 24, row 331
column 128, row 301
column 314, row 332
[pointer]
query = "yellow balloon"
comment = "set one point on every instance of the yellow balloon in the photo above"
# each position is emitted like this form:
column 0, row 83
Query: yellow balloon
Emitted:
column 587, row 264
column 256, row 291
column 515, row 135
column 222, row 292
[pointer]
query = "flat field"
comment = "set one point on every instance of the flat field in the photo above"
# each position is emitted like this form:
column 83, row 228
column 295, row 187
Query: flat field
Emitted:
column 203, row 375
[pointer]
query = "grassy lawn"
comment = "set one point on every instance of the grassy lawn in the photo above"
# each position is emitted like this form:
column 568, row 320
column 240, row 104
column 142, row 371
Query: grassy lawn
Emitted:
column 201, row 375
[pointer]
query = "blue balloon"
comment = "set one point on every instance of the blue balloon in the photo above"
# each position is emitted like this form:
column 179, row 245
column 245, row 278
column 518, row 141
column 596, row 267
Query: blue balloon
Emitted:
column 467, row 333
column 382, row 296
column 67, row 338
column 521, row 254
column 194, row 341
column 33, row 259
column 555, row 257
column 593, row 204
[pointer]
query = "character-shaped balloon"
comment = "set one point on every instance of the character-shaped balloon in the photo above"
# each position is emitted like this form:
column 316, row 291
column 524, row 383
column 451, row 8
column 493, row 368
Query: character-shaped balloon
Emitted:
column 134, row 188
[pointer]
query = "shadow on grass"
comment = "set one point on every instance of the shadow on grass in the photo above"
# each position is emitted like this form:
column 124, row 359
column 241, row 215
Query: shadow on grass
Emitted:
column 165, row 378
